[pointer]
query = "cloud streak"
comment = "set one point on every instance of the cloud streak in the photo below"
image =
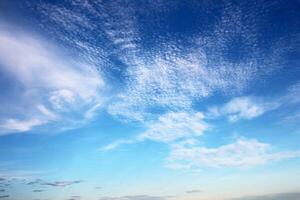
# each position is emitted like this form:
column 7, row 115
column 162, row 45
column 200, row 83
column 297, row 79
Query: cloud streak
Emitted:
column 168, row 128
column 240, row 153
column 61, row 183
column 137, row 197
column 280, row 196
column 52, row 86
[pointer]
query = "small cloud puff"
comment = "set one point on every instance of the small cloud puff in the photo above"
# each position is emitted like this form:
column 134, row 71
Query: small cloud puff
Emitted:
column 242, row 108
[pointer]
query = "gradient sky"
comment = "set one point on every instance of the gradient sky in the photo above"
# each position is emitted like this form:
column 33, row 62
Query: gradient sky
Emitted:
column 149, row 100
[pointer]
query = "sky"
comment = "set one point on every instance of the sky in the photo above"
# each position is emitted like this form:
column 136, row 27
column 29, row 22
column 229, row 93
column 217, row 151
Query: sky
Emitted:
column 149, row 100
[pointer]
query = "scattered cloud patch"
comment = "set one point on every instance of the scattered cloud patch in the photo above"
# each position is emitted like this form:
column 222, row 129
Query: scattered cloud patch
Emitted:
column 54, row 183
column 241, row 153
column 34, row 182
column 168, row 128
column 242, row 108
column 16, row 125
column 171, row 82
column 61, row 183
column 174, row 126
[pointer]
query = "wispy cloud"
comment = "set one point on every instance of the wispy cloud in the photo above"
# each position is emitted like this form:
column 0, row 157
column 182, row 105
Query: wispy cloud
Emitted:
column 168, row 128
column 117, row 144
column 171, row 82
column 9, row 184
column 173, row 77
column 170, row 76
column 243, row 108
column 175, row 125
column 61, row 183
column 293, row 94
column 137, row 197
column 249, row 107
column 48, row 84
column 241, row 153
column 181, row 131
column 15, row 125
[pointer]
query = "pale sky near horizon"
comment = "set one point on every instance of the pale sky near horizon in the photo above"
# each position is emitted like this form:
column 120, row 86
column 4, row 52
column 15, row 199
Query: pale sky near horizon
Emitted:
column 149, row 100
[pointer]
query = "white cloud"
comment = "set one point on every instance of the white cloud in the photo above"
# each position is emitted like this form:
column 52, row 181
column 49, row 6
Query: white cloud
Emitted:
column 293, row 94
column 175, row 125
column 52, row 85
column 47, row 113
column 15, row 125
column 173, row 81
column 241, row 153
column 170, row 75
column 117, row 144
column 60, row 98
column 168, row 128
column 242, row 108
column 173, row 77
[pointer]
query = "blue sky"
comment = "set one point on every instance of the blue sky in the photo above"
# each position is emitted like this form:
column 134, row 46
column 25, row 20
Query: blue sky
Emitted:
column 149, row 100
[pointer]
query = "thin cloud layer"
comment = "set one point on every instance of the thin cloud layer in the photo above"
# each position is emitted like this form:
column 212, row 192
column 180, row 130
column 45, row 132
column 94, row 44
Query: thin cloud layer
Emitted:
column 172, row 75
column 52, row 87
column 61, row 183
column 175, row 79
column 285, row 196
column 136, row 197
column 168, row 128
column 243, row 108
column 173, row 82
column 241, row 153
column 173, row 126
